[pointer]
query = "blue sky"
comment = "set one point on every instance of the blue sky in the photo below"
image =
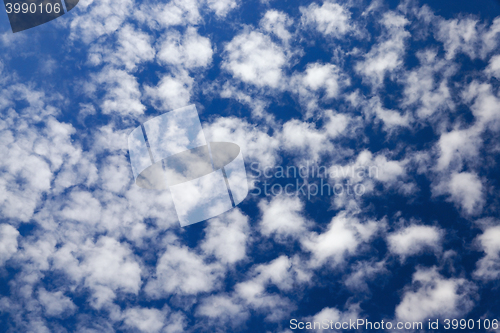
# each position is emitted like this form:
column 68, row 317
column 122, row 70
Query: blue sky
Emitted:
column 408, row 90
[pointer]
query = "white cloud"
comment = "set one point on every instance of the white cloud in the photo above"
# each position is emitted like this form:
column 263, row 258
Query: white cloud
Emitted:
column 424, row 89
column 458, row 35
column 465, row 190
column 278, row 23
column 435, row 296
column 227, row 237
column 172, row 92
column 253, row 58
column 189, row 50
column 144, row 319
column 467, row 35
column 97, row 18
column 304, row 139
column 133, row 48
column 122, row 93
column 278, row 272
column 282, row 217
column 223, row 308
column 255, row 143
column 493, row 68
column 8, row 242
column 55, row 304
column 182, row 271
column 387, row 55
column 362, row 272
column 318, row 80
column 457, row 146
column 342, row 239
column 414, row 240
column 488, row 267
column 390, row 118
column 329, row 19
column 108, row 266
column 484, row 106
column 328, row 314
column 222, row 7
column 173, row 13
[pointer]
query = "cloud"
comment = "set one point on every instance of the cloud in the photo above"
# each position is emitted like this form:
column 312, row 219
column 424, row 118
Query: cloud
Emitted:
column 222, row 7
column 427, row 87
column 278, row 23
column 465, row 190
column 187, row 51
column 223, row 308
column 466, row 35
column 386, row 56
column 278, row 272
column 55, row 304
column 8, row 242
column 329, row 19
column 318, row 83
column 488, row 267
column 456, row 147
column 98, row 18
column 253, row 58
column 330, row 314
column 122, row 96
column 255, row 142
column 391, row 119
column 227, row 237
column 182, row 271
column 414, row 240
column 362, row 272
column 493, row 68
column 144, row 319
column 133, row 48
column 435, row 296
column 172, row 92
column 342, row 239
column 106, row 267
column 282, row 217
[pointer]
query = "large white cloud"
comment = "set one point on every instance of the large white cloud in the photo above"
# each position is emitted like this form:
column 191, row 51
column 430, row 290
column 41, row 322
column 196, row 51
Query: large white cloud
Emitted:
column 254, row 58
column 435, row 296
column 414, row 240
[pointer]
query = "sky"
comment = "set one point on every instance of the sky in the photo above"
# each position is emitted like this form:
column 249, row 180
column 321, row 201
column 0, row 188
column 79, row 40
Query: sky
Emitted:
column 393, row 106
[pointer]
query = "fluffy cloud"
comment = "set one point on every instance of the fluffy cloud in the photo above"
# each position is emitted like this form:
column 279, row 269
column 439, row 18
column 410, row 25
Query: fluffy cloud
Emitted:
column 182, row 271
column 278, row 23
column 414, row 240
column 108, row 266
column 222, row 7
column 329, row 19
column 488, row 267
column 435, row 296
column 253, row 58
column 227, row 237
column 133, row 48
column 122, row 96
column 144, row 319
column 189, row 50
column 55, row 303
column 386, row 56
column 427, row 87
column 172, row 92
column 282, row 217
column 465, row 190
column 467, row 35
column 8, row 242
column 340, row 240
